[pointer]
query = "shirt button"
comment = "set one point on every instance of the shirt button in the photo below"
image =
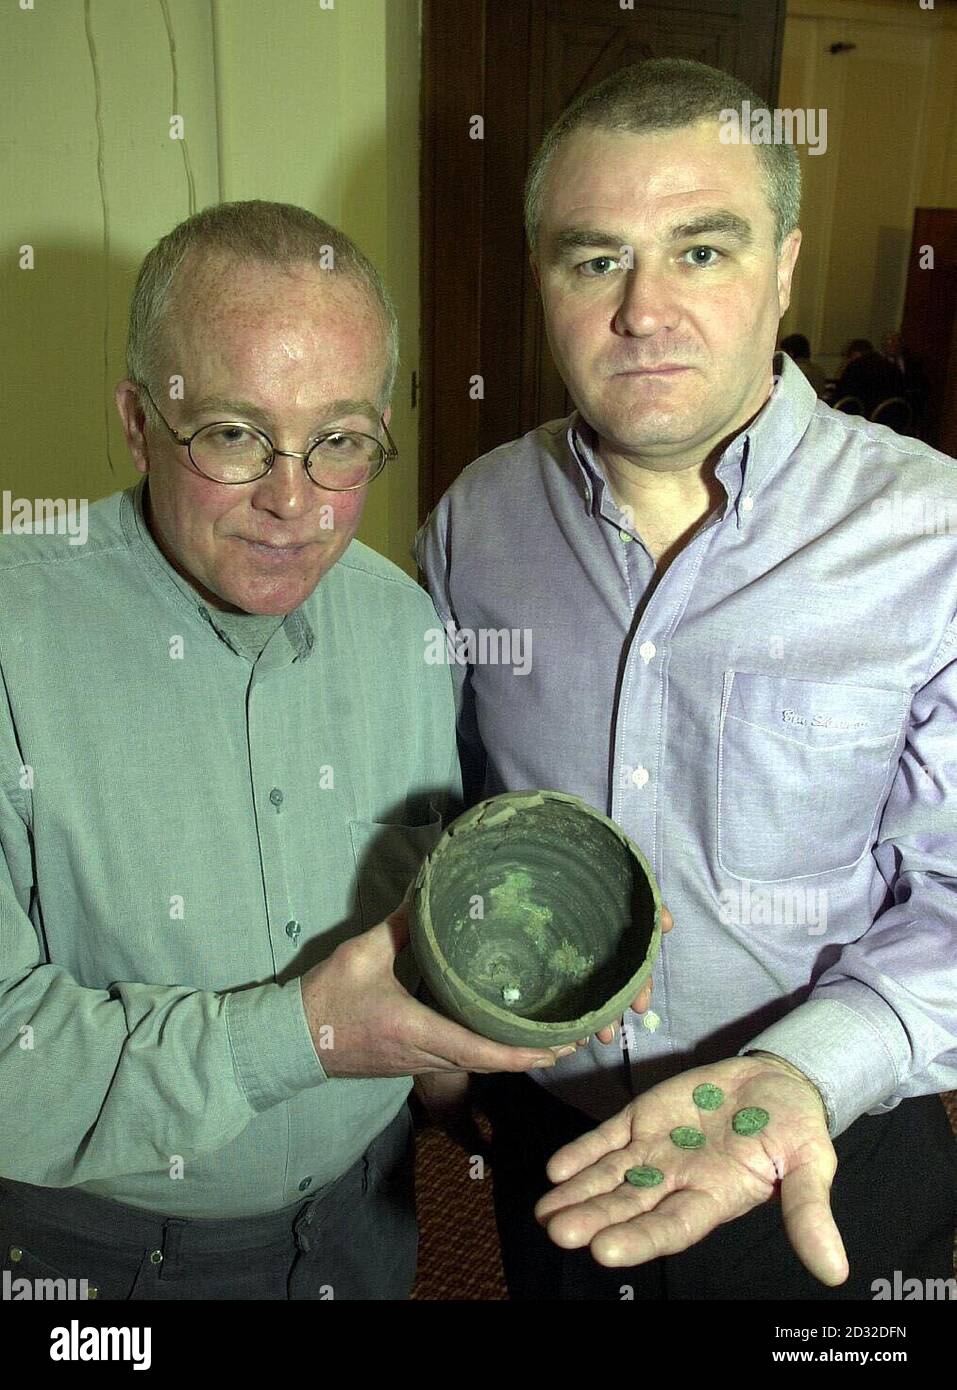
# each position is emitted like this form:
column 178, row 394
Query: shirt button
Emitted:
column 16, row 1254
column 306, row 1182
column 747, row 503
column 92, row 1291
column 293, row 929
column 646, row 651
column 640, row 776
column 275, row 796
column 156, row 1257
column 624, row 536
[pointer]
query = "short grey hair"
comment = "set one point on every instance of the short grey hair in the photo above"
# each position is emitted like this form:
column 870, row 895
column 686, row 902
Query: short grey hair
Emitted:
column 275, row 234
column 663, row 94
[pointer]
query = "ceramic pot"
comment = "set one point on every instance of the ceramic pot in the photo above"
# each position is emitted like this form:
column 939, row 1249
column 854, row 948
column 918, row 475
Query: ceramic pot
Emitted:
column 535, row 920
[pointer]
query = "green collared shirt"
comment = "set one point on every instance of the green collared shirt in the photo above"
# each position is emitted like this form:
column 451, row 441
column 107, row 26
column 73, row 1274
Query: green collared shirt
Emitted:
column 185, row 829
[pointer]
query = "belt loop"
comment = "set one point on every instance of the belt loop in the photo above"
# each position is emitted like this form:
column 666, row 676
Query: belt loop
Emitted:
column 172, row 1237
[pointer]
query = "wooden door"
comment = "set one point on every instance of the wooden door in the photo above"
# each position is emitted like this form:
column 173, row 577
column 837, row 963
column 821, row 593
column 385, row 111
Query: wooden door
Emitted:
column 496, row 74
column 929, row 324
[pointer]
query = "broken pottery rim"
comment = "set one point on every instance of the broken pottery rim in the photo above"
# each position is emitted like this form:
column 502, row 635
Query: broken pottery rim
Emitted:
column 437, row 965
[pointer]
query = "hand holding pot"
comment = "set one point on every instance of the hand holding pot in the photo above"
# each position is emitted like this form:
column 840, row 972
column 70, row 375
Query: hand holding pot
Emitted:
column 363, row 1023
column 643, row 1001
column 702, row 1148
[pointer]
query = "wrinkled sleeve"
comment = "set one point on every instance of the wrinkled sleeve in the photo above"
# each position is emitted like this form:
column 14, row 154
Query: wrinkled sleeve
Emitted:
column 880, row 1024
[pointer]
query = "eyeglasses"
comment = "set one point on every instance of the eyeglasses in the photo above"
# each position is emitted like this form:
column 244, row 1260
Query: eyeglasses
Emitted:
column 234, row 452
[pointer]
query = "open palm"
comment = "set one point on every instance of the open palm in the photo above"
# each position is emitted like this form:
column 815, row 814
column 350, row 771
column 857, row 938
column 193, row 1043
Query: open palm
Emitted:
column 594, row 1205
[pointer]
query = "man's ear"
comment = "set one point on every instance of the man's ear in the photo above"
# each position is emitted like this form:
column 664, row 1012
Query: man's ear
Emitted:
column 786, row 263
column 387, row 414
column 133, row 420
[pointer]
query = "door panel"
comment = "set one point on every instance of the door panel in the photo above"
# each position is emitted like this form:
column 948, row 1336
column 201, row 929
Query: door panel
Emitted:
column 929, row 325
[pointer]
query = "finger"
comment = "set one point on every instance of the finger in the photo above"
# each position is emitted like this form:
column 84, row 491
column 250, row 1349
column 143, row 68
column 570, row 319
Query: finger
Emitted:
column 575, row 1157
column 811, row 1229
column 596, row 1199
column 606, row 1035
column 642, row 999
column 397, row 926
column 679, row 1221
column 666, row 920
column 450, row 1046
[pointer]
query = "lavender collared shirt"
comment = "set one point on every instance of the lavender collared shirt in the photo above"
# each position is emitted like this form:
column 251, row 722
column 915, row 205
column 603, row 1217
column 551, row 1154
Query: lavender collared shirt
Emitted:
column 774, row 723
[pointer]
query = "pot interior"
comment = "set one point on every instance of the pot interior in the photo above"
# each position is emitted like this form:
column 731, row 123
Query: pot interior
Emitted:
column 546, row 913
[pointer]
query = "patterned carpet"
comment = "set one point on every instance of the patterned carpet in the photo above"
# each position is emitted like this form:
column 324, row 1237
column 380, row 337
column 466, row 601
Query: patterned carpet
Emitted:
column 458, row 1243
column 458, row 1249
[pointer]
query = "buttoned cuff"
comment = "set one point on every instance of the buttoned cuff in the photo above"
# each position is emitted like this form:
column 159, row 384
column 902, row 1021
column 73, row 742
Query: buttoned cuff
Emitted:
column 853, row 1048
column 272, row 1047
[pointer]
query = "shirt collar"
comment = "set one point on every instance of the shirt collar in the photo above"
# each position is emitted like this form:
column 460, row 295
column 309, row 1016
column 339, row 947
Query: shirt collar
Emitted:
column 748, row 461
column 133, row 520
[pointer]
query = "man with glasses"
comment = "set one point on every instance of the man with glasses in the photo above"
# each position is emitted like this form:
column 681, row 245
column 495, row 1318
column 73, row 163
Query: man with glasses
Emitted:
column 222, row 758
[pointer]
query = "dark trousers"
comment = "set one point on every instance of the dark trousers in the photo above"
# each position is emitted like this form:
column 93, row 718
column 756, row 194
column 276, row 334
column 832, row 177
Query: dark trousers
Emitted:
column 354, row 1239
column 894, row 1199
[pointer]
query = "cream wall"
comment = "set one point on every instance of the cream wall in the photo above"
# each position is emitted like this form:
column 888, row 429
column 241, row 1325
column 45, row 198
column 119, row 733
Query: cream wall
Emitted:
column 891, row 146
column 295, row 101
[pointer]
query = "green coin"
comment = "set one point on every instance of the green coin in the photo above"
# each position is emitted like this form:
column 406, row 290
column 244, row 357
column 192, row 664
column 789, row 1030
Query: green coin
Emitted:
column 750, row 1120
column 687, row 1137
column 644, row 1177
column 707, row 1097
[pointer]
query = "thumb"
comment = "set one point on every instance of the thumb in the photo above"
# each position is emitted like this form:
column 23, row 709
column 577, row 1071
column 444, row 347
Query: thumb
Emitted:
column 811, row 1229
column 394, row 929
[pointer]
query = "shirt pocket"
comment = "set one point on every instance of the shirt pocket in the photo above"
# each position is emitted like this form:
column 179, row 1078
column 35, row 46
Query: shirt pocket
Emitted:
column 803, row 771
column 387, row 859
